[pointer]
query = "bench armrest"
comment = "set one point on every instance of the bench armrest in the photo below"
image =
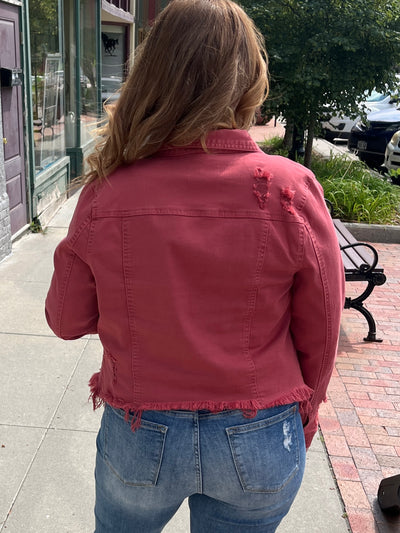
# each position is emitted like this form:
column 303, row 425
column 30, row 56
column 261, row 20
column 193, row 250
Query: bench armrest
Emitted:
column 365, row 267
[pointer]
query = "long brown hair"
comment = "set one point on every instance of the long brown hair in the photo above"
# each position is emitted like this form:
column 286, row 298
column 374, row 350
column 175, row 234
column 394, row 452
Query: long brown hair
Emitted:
column 202, row 67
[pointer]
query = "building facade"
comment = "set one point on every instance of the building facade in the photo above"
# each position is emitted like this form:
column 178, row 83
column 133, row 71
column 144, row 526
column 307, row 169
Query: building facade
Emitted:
column 13, row 194
column 59, row 61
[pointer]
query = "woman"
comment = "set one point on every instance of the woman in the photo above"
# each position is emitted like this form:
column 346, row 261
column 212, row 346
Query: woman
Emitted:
column 212, row 274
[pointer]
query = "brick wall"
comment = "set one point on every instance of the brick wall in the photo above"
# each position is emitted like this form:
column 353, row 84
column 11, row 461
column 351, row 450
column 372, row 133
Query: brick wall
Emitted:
column 5, row 228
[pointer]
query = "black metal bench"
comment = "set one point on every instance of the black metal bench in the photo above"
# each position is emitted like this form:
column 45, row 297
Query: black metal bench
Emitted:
column 360, row 262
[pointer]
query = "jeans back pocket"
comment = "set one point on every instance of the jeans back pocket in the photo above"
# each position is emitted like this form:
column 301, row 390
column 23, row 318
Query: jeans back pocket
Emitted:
column 266, row 453
column 135, row 457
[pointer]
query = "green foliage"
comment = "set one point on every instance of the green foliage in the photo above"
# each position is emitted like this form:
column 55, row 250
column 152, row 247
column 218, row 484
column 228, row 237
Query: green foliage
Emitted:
column 43, row 22
column 355, row 194
column 327, row 51
column 323, row 54
column 274, row 145
column 35, row 226
column 394, row 175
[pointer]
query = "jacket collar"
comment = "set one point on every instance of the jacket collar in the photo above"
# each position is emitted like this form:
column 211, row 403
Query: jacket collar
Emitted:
column 221, row 140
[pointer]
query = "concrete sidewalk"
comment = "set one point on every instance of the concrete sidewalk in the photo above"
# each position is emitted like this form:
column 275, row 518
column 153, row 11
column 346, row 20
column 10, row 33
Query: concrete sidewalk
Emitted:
column 47, row 426
column 321, row 146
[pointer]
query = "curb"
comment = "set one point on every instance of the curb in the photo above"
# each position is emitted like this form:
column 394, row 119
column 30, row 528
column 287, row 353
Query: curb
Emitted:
column 374, row 232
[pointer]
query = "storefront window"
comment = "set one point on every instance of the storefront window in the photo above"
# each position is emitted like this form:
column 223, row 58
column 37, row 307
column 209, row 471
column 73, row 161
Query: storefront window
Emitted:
column 114, row 45
column 47, row 82
column 146, row 12
column 88, row 72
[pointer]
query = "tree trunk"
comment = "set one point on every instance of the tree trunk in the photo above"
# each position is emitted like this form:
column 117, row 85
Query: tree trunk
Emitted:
column 288, row 139
column 309, row 145
column 297, row 149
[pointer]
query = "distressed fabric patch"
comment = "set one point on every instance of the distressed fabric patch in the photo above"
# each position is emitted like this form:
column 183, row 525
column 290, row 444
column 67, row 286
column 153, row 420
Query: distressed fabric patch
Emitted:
column 287, row 436
column 261, row 186
column 287, row 196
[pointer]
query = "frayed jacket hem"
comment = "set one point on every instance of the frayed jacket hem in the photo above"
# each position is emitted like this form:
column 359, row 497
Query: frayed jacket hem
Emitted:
column 250, row 407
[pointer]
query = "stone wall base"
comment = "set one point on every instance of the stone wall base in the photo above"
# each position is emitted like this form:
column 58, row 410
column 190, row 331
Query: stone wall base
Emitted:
column 5, row 227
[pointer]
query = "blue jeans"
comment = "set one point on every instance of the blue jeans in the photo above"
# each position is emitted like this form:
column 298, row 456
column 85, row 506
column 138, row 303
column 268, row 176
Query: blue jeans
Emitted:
column 241, row 475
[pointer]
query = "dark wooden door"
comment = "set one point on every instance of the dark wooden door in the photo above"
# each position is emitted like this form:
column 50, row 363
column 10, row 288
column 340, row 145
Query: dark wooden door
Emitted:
column 11, row 107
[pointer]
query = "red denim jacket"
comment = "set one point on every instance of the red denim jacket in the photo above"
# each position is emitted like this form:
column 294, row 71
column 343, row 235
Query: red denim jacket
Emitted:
column 213, row 279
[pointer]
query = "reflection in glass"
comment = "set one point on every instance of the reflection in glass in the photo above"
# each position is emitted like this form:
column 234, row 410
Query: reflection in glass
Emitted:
column 47, row 82
column 88, row 84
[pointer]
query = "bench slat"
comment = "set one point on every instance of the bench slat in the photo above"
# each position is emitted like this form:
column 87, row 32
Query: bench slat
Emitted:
column 353, row 258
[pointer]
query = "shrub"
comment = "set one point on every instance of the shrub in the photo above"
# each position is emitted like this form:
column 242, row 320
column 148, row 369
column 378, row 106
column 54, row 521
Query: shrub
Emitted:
column 394, row 175
column 274, row 146
column 355, row 194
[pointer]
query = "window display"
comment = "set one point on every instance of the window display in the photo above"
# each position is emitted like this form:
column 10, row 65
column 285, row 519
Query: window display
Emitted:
column 47, row 83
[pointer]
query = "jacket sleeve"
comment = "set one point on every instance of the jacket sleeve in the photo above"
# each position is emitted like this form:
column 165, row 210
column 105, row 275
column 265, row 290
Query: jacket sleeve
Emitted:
column 71, row 304
column 318, row 300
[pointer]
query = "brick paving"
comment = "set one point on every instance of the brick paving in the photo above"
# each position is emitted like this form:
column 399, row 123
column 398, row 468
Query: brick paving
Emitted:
column 360, row 422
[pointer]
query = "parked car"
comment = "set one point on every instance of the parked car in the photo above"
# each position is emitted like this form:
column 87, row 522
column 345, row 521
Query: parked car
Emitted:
column 338, row 127
column 370, row 138
column 109, row 89
column 392, row 152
